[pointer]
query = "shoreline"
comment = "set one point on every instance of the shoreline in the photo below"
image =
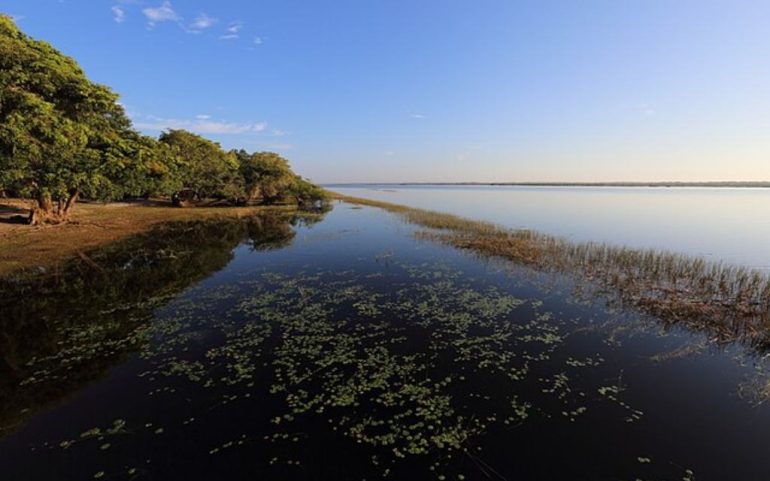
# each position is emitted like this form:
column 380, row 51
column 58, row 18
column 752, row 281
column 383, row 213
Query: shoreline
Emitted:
column 24, row 247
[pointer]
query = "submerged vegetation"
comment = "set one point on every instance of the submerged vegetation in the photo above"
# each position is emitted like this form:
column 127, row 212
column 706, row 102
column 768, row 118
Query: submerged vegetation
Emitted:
column 729, row 302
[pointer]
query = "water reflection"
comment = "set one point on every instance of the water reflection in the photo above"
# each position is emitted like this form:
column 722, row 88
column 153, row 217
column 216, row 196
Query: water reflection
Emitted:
column 64, row 329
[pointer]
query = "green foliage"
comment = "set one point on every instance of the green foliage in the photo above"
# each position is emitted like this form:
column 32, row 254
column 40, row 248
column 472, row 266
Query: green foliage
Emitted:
column 157, row 169
column 268, row 177
column 63, row 136
column 60, row 134
column 201, row 165
column 305, row 192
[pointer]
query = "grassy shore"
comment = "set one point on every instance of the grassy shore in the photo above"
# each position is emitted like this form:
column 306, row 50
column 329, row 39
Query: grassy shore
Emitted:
column 93, row 225
column 731, row 303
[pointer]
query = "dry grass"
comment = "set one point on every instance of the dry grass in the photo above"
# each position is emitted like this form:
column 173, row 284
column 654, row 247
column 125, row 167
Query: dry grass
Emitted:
column 93, row 225
column 729, row 302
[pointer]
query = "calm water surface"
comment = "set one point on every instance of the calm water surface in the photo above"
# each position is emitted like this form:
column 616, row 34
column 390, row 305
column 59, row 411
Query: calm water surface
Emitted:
column 342, row 348
column 719, row 224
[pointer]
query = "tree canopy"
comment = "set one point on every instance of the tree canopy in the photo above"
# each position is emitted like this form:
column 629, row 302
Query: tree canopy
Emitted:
column 266, row 175
column 63, row 137
column 201, row 165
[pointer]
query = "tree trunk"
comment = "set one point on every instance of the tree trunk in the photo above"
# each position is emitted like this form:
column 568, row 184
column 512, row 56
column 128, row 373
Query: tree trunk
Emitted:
column 64, row 215
column 44, row 211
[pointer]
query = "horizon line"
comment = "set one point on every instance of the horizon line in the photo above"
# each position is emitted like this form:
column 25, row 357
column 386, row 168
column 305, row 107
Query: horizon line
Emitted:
column 726, row 184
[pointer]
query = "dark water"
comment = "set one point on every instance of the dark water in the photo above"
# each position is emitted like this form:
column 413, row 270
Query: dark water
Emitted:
column 343, row 348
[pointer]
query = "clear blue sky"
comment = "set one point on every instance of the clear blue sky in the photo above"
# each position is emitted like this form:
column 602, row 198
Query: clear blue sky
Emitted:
column 420, row 90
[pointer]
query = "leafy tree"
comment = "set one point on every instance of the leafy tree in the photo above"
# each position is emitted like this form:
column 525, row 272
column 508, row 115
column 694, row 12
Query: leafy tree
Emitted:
column 157, row 172
column 61, row 136
column 305, row 192
column 266, row 176
column 204, row 168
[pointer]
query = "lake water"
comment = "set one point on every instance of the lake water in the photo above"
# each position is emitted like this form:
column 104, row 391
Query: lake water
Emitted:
column 719, row 224
column 341, row 347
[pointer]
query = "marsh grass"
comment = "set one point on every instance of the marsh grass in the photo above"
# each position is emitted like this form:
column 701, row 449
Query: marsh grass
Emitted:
column 730, row 302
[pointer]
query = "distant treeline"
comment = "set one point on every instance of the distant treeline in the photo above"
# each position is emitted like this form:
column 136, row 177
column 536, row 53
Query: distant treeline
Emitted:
column 733, row 184
column 63, row 137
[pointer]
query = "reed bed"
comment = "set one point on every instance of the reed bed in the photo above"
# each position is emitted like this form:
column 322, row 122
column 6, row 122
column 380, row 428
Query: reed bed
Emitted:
column 731, row 303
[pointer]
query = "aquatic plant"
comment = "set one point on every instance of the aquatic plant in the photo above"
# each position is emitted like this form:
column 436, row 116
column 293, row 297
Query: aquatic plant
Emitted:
column 731, row 302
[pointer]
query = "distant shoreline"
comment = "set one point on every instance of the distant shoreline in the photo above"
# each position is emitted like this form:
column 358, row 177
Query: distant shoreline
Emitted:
column 764, row 184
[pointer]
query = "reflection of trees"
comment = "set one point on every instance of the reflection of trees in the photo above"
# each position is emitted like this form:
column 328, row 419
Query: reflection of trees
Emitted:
column 61, row 331
column 268, row 232
column 265, row 233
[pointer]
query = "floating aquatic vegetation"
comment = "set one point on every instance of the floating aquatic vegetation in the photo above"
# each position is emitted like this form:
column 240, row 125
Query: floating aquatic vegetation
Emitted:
column 402, row 367
column 756, row 388
column 391, row 367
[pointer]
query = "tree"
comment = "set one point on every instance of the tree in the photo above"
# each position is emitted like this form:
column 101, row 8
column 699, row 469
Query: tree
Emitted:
column 157, row 171
column 266, row 176
column 61, row 136
column 204, row 169
column 307, row 193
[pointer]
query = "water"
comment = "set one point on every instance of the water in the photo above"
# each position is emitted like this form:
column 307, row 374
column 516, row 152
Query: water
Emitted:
column 343, row 348
column 731, row 225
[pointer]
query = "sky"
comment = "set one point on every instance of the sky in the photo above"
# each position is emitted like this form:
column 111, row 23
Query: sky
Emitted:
column 452, row 90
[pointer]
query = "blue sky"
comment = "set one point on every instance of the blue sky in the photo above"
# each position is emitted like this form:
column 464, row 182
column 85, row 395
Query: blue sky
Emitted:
column 421, row 90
